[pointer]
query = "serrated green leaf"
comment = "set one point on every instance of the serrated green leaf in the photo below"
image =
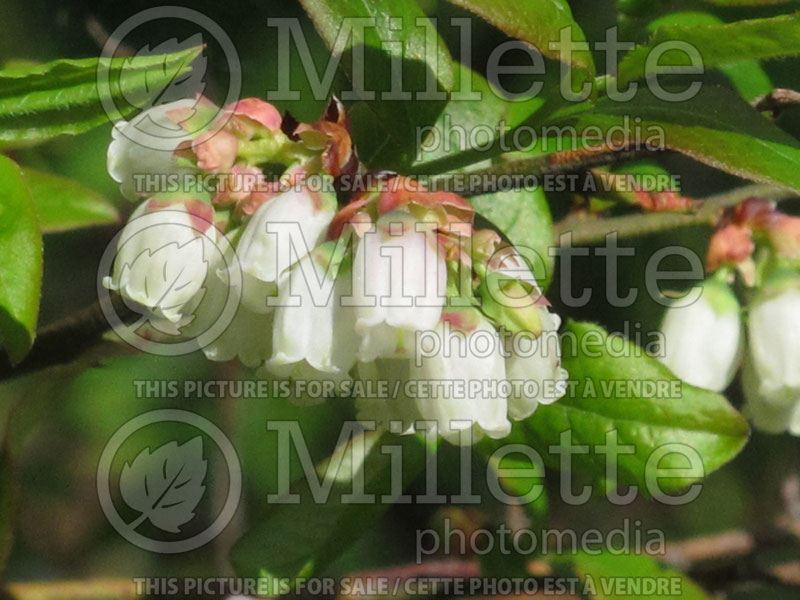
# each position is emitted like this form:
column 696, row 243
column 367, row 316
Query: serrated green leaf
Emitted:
column 63, row 204
column 626, row 391
column 718, row 44
column 62, row 97
column 20, row 262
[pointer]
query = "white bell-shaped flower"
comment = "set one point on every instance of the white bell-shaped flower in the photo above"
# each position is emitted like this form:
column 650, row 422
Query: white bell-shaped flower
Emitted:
column 142, row 149
column 770, row 413
column 163, row 255
column 533, row 366
column 702, row 341
column 224, row 328
column 455, row 380
column 314, row 332
column 399, row 284
column 283, row 230
column 773, row 326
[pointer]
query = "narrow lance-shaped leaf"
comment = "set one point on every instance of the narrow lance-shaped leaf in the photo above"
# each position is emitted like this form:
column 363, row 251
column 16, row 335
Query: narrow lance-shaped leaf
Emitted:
column 715, row 127
column 63, row 97
column 717, row 44
column 20, row 262
column 747, row 76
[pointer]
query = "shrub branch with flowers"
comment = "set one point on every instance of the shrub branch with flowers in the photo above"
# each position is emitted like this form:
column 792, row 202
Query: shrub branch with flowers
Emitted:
column 420, row 315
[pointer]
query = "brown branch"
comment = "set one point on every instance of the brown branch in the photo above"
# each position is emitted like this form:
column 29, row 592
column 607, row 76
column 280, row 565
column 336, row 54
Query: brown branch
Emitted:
column 475, row 183
column 728, row 544
column 65, row 340
column 777, row 101
column 587, row 229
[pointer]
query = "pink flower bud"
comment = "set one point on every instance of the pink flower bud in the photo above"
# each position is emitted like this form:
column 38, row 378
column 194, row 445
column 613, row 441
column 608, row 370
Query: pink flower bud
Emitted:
column 215, row 150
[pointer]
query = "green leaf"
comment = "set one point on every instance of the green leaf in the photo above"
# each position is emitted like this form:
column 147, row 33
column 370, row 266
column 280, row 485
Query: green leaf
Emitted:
column 715, row 127
column 62, row 97
column 389, row 139
column 298, row 540
column 747, row 76
column 538, row 22
column 20, row 262
column 607, row 576
column 445, row 137
column 718, row 44
column 470, row 124
column 524, row 218
column 63, row 204
column 614, row 386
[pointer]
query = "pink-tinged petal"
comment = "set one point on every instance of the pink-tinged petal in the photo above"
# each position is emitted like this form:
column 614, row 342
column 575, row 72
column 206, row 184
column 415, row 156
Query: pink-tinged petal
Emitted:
column 257, row 110
column 156, row 204
column 732, row 244
column 400, row 191
column 462, row 320
column 754, row 212
column 253, row 202
column 200, row 213
column 348, row 214
column 192, row 118
column 238, row 185
column 338, row 155
column 215, row 150
column 784, row 234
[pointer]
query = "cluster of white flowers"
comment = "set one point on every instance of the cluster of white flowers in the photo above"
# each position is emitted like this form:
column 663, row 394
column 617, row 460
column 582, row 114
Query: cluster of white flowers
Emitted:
column 705, row 342
column 396, row 286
